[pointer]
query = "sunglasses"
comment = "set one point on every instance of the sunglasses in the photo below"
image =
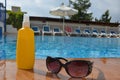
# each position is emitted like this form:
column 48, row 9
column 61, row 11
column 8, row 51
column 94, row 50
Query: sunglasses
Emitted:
column 75, row 68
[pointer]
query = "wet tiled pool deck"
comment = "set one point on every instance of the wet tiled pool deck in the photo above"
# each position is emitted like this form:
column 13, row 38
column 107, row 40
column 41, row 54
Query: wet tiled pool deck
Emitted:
column 103, row 69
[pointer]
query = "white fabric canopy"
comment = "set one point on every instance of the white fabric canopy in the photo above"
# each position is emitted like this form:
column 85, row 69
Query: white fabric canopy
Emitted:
column 63, row 11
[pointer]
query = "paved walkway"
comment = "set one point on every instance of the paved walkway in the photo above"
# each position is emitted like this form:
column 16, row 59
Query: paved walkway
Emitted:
column 103, row 69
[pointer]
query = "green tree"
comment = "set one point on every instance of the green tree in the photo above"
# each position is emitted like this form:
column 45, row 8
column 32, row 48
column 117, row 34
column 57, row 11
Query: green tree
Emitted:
column 15, row 19
column 82, row 6
column 105, row 17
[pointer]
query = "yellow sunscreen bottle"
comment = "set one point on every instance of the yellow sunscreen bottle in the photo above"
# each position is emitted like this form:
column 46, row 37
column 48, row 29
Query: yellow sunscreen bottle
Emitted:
column 25, row 46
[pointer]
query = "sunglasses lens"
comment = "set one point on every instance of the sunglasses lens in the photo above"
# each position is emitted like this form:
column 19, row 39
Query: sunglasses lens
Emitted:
column 53, row 66
column 77, row 69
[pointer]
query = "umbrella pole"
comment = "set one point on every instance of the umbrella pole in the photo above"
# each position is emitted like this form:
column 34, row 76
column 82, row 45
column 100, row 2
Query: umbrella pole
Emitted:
column 63, row 23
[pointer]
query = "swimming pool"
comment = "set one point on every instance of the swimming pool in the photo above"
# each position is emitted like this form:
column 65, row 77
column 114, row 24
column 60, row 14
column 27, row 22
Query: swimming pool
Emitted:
column 64, row 46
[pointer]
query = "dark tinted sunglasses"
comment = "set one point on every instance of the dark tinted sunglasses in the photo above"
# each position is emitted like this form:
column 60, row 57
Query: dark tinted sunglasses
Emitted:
column 75, row 68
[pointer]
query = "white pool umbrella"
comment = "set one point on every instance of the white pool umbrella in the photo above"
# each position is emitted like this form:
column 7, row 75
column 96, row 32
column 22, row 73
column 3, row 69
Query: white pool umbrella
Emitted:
column 63, row 11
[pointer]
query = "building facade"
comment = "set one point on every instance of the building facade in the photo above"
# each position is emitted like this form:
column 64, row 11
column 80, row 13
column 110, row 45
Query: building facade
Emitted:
column 2, row 18
column 82, row 25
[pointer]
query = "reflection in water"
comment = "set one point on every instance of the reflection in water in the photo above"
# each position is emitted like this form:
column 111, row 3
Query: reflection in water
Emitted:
column 63, row 46
column 0, row 37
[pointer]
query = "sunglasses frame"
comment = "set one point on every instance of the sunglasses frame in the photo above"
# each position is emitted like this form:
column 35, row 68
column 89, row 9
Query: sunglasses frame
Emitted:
column 50, row 59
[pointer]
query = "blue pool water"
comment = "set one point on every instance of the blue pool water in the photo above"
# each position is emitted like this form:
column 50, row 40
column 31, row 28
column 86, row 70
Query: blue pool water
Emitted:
column 64, row 46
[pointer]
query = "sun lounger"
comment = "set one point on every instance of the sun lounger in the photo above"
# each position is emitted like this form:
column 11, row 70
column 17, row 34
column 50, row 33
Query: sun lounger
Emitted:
column 103, row 34
column 57, row 31
column 86, row 33
column 76, row 32
column 46, row 30
column 68, row 30
column 113, row 34
column 95, row 33
column 36, row 29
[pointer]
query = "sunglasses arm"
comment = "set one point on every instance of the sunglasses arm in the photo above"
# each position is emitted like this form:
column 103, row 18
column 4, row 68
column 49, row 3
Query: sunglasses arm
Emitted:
column 62, row 59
